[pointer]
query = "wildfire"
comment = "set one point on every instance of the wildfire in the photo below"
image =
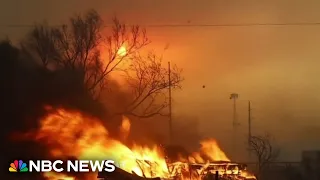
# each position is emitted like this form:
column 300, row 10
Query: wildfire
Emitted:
column 210, row 151
column 73, row 134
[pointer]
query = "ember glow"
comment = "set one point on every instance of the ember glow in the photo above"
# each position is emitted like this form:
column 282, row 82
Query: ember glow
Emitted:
column 209, row 151
column 57, row 176
column 73, row 134
column 122, row 51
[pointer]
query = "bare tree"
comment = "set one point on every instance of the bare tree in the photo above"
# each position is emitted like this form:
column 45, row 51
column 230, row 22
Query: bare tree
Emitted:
column 147, row 79
column 78, row 46
column 264, row 150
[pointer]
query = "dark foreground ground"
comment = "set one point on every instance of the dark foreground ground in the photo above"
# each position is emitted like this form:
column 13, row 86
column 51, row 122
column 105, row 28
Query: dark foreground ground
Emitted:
column 289, row 171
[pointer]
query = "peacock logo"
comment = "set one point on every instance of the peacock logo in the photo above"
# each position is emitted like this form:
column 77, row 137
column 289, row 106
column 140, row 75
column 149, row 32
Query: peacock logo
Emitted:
column 18, row 166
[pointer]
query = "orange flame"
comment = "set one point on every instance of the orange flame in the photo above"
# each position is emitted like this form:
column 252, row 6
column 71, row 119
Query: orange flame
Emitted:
column 125, row 127
column 211, row 149
column 73, row 134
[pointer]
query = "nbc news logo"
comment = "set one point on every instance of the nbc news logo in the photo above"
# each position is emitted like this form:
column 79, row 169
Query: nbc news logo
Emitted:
column 18, row 166
column 57, row 166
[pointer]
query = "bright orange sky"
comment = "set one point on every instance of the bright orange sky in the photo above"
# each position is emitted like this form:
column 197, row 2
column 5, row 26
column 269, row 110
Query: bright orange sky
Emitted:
column 275, row 67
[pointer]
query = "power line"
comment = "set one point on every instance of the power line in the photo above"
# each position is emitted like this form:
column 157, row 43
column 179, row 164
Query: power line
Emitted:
column 191, row 25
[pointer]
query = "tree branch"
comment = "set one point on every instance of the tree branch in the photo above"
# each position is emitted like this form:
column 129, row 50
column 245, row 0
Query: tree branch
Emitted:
column 78, row 46
column 263, row 149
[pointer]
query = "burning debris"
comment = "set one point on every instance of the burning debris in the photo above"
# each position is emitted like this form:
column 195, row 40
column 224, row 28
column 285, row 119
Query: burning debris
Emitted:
column 121, row 174
column 72, row 134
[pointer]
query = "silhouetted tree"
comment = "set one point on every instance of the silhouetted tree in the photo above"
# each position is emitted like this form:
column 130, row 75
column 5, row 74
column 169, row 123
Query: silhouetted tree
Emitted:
column 264, row 150
column 78, row 46
column 12, row 69
column 149, row 81
column 27, row 87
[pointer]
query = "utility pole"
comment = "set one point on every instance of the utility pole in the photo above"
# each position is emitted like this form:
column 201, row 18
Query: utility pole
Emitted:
column 249, row 128
column 170, row 105
column 234, row 97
